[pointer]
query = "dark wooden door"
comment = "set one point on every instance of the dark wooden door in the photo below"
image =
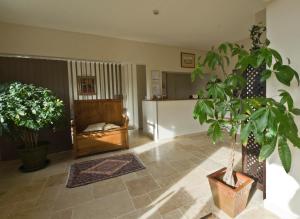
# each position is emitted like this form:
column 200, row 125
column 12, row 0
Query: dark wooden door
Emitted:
column 52, row 74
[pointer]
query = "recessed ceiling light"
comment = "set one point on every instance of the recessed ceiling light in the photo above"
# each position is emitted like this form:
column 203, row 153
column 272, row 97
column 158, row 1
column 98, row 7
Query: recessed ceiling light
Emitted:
column 156, row 12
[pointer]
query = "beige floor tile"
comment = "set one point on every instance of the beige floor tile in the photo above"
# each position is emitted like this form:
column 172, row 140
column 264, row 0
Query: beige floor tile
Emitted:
column 182, row 165
column 25, row 205
column 170, row 180
column 95, row 209
column 201, row 191
column 21, row 193
column 175, row 214
column 173, row 185
column 196, row 209
column 160, row 169
column 128, row 177
column 141, row 185
column 117, row 204
column 107, row 207
column 48, row 197
column 146, row 213
column 210, row 166
column 57, row 179
column 108, row 187
column 161, row 194
column 141, row 201
column 176, row 200
column 6, row 211
column 258, row 212
column 31, row 214
column 70, row 197
column 64, row 214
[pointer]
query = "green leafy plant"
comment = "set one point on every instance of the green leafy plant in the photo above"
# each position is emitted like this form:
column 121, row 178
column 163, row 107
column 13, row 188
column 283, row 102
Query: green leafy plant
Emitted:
column 25, row 109
column 221, row 106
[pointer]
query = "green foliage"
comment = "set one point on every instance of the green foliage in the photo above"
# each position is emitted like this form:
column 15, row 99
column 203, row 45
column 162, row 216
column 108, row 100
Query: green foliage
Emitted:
column 25, row 109
column 221, row 106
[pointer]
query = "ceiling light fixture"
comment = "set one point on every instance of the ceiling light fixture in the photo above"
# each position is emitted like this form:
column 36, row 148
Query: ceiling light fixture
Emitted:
column 156, row 12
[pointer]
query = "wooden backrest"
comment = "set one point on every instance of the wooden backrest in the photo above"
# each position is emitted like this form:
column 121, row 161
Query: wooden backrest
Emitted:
column 88, row 112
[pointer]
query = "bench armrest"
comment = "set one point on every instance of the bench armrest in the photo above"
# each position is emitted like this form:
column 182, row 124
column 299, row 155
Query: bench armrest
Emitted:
column 125, row 121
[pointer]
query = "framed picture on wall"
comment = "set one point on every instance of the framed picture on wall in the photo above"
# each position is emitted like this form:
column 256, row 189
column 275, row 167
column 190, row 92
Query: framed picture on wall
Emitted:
column 187, row 60
column 86, row 85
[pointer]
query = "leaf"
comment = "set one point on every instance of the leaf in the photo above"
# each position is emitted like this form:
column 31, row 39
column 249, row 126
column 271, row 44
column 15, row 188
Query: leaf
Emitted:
column 241, row 117
column 296, row 111
column 297, row 77
column 215, row 131
column 276, row 55
column 202, row 110
column 286, row 98
column 245, row 132
column 262, row 121
column 199, row 113
column 266, row 150
column 223, row 48
column 208, row 107
column 260, row 60
column 294, row 139
column 285, row 154
column 257, row 113
column 285, row 74
column 197, row 72
column 267, row 54
column 265, row 75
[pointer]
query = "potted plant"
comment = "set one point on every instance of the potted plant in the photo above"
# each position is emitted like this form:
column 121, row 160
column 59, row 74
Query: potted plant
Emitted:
column 271, row 121
column 24, row 110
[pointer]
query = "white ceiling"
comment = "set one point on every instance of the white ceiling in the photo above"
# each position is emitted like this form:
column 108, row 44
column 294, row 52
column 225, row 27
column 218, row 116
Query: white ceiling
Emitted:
column 185, row 23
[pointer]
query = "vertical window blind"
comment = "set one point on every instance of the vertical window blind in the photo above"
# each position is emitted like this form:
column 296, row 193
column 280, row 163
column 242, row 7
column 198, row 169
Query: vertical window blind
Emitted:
column 90, row 80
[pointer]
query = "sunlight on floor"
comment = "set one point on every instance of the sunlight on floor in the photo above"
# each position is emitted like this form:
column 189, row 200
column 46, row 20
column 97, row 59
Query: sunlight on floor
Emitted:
column 173, row 185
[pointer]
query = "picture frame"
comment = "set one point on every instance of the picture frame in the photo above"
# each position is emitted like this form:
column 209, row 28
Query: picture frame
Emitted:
column 86, row 85
column 187, row 60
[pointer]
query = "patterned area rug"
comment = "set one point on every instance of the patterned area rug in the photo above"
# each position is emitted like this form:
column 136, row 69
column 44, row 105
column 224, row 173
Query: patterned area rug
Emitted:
column 87, row 172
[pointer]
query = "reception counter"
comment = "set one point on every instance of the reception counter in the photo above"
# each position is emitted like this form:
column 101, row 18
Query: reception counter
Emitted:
column 164, row 119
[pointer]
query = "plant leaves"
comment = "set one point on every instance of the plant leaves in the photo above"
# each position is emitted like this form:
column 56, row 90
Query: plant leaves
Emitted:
column 245, row 132
column 257, row 113
column 296, row 111
column 266, row 150
column 214, row 131
column 265, row 75
column 262, row 121
column 285, row 154
column 285, row 74
column 276, row 55
column 286, row 98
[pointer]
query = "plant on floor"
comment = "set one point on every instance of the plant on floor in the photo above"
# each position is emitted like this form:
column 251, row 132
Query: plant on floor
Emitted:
column 221, row 106
column 26, row 109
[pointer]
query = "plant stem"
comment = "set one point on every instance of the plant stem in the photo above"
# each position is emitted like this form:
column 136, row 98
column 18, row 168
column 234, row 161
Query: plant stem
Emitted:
column 228, row 178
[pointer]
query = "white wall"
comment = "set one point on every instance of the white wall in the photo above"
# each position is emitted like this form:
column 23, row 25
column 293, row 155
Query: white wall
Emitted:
column 283, row 190
column 28, row 40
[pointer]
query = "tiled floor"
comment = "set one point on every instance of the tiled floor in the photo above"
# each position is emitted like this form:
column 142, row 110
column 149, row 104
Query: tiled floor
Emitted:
column 173, row 185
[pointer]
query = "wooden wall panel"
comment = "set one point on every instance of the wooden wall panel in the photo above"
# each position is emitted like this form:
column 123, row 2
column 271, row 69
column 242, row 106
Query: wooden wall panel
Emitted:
column 52, row 74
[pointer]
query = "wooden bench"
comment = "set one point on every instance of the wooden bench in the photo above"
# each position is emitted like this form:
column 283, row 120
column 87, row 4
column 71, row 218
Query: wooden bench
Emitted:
column 87, row 112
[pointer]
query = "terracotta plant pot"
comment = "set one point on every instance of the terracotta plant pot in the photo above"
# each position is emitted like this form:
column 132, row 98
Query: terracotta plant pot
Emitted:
column 232, row 200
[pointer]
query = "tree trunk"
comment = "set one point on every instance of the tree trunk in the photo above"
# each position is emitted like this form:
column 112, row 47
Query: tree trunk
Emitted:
column 228, row 178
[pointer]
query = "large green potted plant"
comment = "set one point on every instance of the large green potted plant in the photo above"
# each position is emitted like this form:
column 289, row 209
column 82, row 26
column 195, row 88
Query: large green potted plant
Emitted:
column 24, row 110
column 271, row 121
